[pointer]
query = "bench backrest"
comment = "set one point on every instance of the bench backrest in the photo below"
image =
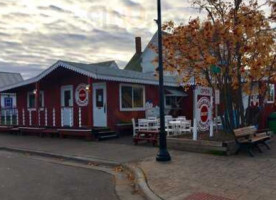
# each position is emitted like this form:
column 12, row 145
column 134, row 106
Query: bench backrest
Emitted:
column 244, row 132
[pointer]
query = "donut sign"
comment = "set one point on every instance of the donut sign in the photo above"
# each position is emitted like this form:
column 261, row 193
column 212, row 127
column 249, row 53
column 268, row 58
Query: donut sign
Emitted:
column 81, row 95
column 203, row 106
column 203, row 109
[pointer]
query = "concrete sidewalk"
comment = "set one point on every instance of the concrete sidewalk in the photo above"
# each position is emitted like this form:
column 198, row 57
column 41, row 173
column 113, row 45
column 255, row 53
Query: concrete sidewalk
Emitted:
column 189, row 176
column 121, row 150
column 193, row 176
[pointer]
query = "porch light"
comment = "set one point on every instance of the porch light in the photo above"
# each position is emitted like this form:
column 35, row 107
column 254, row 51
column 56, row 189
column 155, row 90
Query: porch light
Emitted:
column 87, row 87
column 35, row 90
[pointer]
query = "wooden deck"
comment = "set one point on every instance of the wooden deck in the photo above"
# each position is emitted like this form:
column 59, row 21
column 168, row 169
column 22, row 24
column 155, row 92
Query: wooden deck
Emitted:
column 87, row 133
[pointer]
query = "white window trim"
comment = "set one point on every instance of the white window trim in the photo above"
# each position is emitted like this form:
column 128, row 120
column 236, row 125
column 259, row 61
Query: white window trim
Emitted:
column 271, row 84
column 67, row 87
column 133, row 86
column 42, row 101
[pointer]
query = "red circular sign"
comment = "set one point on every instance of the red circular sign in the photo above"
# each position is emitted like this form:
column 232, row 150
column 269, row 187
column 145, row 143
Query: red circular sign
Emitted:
column 82, row 95
column 204, row 113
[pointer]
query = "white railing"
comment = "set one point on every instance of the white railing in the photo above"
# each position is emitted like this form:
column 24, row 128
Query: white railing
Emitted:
column 80, row 122
column 9, row 117
column 54, row 117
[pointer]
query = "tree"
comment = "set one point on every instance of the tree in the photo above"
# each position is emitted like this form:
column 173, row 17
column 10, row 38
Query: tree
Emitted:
column 232, row 50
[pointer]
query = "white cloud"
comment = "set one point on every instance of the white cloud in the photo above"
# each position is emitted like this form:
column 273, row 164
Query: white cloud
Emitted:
column 36, row 33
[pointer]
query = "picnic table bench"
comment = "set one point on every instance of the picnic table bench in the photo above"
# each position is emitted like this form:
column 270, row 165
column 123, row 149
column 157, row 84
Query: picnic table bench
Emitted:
column 248, row 138
column 145, row 135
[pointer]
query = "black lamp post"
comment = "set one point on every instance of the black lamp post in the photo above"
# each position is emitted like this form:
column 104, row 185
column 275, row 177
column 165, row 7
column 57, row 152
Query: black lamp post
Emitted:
column 163, row 154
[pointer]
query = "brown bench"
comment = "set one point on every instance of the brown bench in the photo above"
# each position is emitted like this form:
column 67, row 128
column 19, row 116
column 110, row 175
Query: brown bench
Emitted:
column 149, row 136
column 249, row 138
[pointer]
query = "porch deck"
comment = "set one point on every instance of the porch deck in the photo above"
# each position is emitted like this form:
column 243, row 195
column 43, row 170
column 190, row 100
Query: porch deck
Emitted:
column 62, row 132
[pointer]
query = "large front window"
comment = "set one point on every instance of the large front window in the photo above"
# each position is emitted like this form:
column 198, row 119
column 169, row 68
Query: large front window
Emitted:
column 132, row 97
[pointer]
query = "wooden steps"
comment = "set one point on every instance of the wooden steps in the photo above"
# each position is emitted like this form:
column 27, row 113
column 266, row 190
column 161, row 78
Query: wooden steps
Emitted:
column 102, row 133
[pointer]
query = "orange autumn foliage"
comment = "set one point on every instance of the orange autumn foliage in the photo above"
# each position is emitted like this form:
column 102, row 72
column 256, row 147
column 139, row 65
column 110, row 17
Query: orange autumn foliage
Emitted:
column 236, row 39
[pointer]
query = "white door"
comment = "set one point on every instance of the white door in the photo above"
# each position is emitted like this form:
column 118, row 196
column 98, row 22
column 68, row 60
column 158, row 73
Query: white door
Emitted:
column 99, row 105
column 67, row 106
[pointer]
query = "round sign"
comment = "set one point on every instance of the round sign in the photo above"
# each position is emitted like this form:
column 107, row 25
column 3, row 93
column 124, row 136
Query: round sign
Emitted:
column 203, row 107
column 204, row 113
column 81, row 95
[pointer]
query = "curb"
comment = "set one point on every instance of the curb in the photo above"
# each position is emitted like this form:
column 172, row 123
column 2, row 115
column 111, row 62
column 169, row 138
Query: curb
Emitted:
column 78, row 159
column 140, row 178
column 141, row 182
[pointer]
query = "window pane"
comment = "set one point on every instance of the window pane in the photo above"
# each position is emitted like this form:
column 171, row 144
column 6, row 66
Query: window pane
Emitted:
column 31, row 100
column 138, row 97
column 271, row 93
column 168, row 101
column 99, row 98
column 41, row 96
column 126, row 97
column 67, row 98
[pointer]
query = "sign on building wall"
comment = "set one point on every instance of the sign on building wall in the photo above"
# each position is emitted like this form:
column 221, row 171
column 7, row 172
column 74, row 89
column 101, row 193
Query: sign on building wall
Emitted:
column 203, row 101
column 8, row 100
column 81, row 95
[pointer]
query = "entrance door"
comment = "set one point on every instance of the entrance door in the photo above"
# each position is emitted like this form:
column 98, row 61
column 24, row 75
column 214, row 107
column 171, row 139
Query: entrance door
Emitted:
column 67, row 106
column 99, row 105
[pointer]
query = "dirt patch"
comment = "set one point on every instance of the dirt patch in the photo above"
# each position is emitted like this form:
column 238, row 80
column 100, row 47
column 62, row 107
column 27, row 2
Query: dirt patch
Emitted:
column 219, row 136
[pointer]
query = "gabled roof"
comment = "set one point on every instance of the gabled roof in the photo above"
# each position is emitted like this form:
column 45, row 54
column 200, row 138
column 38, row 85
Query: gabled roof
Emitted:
column 98, row 72
column 8, row 78
column 135, row 63
column 111, row 64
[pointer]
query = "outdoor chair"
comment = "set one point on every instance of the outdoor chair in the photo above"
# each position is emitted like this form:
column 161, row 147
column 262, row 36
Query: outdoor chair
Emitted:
column 152, row 118
column 187, row 126
column 181, row 118
column 143, row 124
column 135, row 127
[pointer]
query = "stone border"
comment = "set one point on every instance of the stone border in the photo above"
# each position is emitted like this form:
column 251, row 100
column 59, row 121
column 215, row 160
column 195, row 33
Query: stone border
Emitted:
column 139, row 175
column 141, row 182
column 200, row 146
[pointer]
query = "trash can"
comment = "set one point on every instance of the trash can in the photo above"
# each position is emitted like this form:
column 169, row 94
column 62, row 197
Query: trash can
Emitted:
column 272, row 122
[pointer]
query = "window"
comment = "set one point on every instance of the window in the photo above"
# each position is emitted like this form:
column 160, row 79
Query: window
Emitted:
column 31, row 100
column 172, row 101
column 8, row 103
column 271, row 93
column 132, row 97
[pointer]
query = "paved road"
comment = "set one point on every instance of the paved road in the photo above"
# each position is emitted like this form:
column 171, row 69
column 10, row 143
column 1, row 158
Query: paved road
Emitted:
column 25, row 178
column 119, row 150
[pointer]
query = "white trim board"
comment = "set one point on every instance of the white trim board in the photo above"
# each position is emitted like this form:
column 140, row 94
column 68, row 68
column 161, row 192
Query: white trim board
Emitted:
column 86, row 73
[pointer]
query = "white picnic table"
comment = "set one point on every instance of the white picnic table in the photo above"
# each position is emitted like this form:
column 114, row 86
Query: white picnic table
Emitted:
column 175, row 126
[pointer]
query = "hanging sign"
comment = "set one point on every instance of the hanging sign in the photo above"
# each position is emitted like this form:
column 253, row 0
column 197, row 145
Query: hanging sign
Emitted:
column 217, row 97
column 81, row 95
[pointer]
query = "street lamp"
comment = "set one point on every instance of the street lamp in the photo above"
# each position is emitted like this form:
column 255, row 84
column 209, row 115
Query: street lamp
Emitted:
column 163, row 154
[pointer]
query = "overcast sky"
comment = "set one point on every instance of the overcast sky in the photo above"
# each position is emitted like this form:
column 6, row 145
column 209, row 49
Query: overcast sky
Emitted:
column 36, row 33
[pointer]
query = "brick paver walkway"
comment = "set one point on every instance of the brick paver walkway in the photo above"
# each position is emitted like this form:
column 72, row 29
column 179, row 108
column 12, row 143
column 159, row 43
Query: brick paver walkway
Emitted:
column 204, row 196
column 193, row 176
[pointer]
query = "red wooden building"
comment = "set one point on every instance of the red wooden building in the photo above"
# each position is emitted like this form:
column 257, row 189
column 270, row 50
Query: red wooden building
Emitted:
column 80, row 95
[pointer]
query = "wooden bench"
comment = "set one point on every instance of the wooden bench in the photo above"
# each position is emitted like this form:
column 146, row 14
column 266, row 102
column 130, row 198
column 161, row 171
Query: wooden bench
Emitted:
column 248, row 138
column 149, row 136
